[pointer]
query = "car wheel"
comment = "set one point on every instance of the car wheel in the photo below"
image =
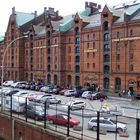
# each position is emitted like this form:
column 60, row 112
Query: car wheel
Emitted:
column 119, row 130
column 71, row 108
column 94, row 128
column 59, row 102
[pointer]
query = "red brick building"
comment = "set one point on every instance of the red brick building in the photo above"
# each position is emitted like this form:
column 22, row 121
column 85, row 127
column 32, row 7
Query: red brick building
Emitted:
column 95, row 46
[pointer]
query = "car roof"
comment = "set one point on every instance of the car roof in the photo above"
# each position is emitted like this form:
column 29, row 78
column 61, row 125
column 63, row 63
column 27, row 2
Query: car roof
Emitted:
column 101, row 118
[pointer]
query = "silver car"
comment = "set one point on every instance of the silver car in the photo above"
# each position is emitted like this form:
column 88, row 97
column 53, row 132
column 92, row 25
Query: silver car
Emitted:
column 106, row 124
column 76, row 104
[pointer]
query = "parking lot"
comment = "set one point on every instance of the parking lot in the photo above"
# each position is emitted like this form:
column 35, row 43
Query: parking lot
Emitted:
column 115, row 106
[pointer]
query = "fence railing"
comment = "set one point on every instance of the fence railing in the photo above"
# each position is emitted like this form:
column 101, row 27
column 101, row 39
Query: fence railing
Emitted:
column 99, row 128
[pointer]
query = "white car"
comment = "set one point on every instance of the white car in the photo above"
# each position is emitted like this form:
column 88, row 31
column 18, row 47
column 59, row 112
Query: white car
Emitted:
column 8, row 83
column 14, row 85
column 76, row 104
column 21, row 94
column 44, row 88
column 86, row 93
column 106, row 124
column 69, row 92
column 50, row 99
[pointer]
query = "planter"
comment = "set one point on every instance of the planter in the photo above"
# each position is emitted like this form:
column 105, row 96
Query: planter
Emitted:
column 123, row 134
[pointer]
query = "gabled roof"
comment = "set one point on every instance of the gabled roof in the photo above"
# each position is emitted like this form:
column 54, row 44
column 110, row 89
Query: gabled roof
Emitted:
column 109, row 8
column 55, row 25
column 22, row 18
column 94, row 21
column 38, row 29
column 67, row 22
column 129, row 10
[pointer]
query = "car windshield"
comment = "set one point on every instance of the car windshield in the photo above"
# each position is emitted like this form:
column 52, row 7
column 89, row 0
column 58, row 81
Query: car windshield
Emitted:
column 65, row 117
column 78, row 103
column 113, row 121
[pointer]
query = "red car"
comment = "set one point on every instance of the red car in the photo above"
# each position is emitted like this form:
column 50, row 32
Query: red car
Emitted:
column 62, row 119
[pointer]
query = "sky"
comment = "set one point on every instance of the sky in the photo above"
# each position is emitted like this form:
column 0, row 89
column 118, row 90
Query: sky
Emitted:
column 64, row 7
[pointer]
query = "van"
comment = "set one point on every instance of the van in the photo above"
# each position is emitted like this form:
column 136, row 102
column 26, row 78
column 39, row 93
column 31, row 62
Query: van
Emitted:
column 15, row 85
column 18, row 103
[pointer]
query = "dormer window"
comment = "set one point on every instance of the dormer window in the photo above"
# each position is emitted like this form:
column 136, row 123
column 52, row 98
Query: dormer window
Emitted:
column 48, row 34
column 76, row 20
column 105, row 26
column 118, row 34
column 105, row 15
column 77, row 32
column 131, row 32
column 48, row 26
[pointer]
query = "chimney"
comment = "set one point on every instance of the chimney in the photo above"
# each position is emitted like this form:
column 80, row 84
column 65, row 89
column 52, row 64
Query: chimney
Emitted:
column 99, row 6
column 13, row 10
column 45, row 9
column 93, row 4
column 35, row 13
column 57, row 13
column 86, row 4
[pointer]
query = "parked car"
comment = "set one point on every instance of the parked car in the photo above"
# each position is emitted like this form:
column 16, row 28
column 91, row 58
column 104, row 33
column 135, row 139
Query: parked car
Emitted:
column 76, row 104
column 50, row 99
column 69, row 93
column 50, row 90
column 18, row 103
column 8, row 83
column 62, row 91
column 21, row 94
column 5, row 89
column 45, row 88
column 35, row 111
column 62, row 119
column 56, row 89
column 32, row 86
column 27, row 86
column 39, row 97
column 10, row 92
column 17, row 84
column 97, row 95
column 85, row 94
column 35, row 96
column 106, row 124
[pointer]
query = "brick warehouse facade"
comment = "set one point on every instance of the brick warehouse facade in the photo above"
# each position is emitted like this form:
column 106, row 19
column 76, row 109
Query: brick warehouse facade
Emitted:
column 90, row 47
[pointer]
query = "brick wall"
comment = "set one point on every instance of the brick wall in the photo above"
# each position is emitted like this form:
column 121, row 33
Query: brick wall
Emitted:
column 12, row 129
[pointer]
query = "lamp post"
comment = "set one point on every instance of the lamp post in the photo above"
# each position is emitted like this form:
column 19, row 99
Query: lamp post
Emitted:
column 2, row 69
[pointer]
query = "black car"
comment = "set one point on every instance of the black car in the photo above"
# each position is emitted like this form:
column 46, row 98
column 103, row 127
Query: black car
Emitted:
column 35, row 111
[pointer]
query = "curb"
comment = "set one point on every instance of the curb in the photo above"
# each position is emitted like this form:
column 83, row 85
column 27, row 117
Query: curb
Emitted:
column 120, row 98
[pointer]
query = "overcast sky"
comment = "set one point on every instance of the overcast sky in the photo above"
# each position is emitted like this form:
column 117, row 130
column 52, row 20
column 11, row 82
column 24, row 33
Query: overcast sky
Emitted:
column 64, row 7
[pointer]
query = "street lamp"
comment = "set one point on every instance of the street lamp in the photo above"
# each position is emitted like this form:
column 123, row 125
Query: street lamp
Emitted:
column 2, row 69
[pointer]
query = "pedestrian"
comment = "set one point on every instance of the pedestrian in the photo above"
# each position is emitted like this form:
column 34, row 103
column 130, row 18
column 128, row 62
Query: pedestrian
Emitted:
column 129, row 95
column 120, row 94
column 123, row 92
